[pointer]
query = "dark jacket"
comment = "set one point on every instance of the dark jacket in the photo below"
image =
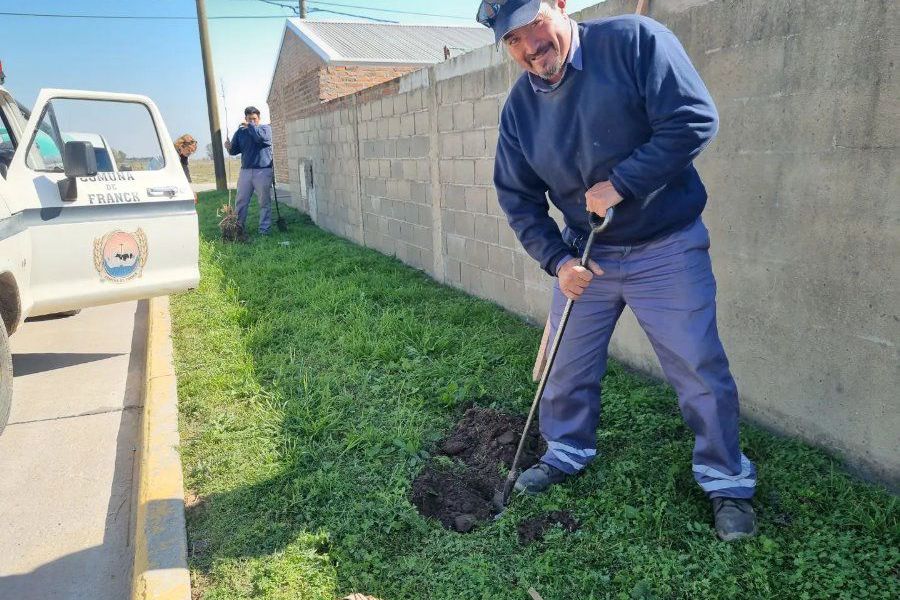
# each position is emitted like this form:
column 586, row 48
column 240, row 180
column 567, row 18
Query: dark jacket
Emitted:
column 184, row 165
column 636, row 114
column 254, row 144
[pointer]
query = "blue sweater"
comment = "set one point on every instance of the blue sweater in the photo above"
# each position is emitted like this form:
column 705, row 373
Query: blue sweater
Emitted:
column 254, row 144
column 636, row 114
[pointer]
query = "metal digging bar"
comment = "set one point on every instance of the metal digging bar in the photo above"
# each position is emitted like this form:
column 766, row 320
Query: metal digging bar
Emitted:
column 501, row 498
column 280, row 223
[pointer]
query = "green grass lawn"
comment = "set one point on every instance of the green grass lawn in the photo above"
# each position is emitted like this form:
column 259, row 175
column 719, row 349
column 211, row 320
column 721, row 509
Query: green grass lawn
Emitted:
column 314, row 376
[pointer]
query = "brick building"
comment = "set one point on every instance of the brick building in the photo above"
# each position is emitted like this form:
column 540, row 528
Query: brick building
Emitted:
column 322, row 60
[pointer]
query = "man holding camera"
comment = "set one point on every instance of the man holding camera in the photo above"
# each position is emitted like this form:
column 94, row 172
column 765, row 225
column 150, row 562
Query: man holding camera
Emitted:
column 254, row 143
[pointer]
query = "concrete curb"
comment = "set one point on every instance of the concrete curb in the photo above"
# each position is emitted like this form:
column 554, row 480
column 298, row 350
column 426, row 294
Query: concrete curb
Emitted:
column 160, row 538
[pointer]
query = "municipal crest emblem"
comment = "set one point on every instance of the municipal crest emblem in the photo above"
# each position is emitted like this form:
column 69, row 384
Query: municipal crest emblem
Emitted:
column 120, row 256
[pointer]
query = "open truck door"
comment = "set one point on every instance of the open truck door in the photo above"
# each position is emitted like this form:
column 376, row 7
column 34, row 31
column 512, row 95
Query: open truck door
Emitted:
column 97, row 236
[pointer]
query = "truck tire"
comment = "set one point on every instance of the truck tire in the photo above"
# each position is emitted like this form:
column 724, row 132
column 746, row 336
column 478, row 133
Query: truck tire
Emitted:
column 6, row 377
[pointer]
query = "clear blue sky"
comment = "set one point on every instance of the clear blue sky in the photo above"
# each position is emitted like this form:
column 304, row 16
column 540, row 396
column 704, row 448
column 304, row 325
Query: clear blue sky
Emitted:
column 161, row 58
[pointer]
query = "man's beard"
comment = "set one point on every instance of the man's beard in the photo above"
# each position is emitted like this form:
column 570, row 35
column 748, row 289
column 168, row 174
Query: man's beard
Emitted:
column 554, row 69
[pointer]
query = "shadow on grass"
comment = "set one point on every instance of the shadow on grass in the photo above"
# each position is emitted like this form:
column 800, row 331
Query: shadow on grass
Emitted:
column 315, row 376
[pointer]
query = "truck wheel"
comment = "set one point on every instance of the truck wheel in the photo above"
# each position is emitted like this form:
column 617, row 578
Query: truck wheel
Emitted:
column 6, row 377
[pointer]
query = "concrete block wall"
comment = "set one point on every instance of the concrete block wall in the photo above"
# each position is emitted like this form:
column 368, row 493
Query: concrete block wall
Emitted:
column 395, row 177
column 803, row 214
column 329, row 141
column 803, row 210
column 481, row 253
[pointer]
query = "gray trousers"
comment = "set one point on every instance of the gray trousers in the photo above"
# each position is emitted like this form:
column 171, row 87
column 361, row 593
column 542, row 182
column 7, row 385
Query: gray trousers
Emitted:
column 261, row 181
column 669, row 285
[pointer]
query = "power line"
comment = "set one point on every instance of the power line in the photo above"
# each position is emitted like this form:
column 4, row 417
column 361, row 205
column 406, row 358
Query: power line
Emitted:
column 279, row 4
column 180, row 18
column 359, row 7
column 127, row 17
column 298, row 11
column 389, row 10
column 59, row 16
column 135, row 17
column 334, row 12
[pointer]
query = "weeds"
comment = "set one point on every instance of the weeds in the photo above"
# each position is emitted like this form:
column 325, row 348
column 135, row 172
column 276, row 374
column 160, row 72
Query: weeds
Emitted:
column 315, row 378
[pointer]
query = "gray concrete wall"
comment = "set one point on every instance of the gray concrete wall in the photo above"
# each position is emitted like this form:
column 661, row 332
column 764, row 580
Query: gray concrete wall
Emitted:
column 803, row 211
column 396, row 177
column 329, row 140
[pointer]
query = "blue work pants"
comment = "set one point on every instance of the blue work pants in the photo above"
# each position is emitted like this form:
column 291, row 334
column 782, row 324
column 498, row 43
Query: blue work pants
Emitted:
column 669, row 285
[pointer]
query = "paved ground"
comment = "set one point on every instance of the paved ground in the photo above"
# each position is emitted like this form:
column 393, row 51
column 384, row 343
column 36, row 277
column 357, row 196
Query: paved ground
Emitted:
column 67, row 456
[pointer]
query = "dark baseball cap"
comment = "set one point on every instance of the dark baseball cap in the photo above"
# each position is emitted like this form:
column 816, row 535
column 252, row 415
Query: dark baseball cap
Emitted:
column 505, row 15
column 251, row 110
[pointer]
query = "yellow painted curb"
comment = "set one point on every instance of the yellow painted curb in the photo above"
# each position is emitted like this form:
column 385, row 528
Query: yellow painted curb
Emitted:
column 160, row 539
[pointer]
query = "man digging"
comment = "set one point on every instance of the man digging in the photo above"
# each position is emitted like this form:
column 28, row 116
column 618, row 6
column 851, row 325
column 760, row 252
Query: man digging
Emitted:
column 612, row 113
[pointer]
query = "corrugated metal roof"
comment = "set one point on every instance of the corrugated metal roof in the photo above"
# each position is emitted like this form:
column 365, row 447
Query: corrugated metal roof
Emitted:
column 348, row 41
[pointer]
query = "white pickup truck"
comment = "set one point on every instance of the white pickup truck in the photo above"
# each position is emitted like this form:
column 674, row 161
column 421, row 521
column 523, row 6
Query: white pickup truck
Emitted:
column 73, row 235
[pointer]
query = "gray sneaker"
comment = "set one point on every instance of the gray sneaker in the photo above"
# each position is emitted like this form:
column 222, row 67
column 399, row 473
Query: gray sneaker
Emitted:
column 735, row 518
column 539, row 477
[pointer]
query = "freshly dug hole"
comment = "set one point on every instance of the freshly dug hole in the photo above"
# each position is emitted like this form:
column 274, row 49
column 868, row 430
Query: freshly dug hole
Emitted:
column 457, row 485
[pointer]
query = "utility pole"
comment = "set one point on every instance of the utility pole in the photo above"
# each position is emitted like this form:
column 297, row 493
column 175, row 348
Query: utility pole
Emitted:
column 212, row 105
column 302, row 9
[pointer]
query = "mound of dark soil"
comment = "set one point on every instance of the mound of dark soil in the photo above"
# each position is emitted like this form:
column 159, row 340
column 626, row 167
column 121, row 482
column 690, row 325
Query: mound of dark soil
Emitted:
column 533, row 530
column 457, row 485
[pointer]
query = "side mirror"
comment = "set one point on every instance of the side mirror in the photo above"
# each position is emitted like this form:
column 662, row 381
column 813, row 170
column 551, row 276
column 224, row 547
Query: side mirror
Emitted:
column 79, row 160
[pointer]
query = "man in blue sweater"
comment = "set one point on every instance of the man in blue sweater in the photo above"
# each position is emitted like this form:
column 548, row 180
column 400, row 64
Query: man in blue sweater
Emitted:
column 254, row 143
column 612, row 113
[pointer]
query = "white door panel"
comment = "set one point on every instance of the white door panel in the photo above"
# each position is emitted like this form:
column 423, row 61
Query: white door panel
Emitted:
column 129, row 233
column 159, row 245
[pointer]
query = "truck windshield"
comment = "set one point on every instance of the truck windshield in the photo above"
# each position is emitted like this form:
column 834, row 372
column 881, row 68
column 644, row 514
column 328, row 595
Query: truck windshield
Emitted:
column 9, row 115
column 7, row 147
